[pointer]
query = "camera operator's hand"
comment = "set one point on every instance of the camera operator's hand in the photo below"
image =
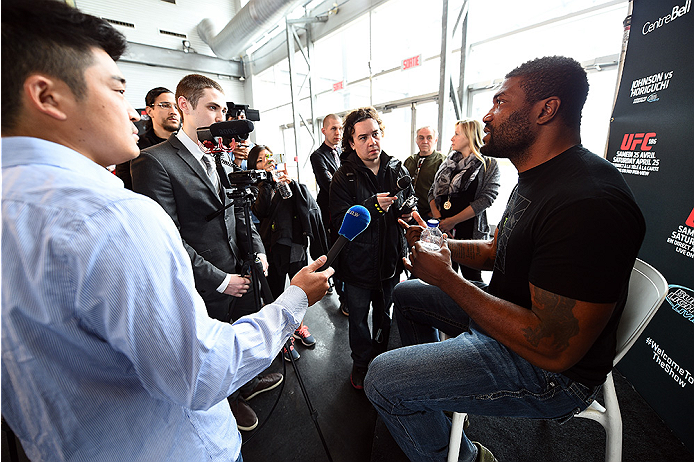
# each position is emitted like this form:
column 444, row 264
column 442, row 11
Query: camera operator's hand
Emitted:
column 237, row 286
column 240, row 151
column 314, row 284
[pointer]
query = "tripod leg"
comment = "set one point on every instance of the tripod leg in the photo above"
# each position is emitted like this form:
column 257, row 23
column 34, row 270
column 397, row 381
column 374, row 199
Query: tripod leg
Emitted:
column 257, row 275
column 312, row 411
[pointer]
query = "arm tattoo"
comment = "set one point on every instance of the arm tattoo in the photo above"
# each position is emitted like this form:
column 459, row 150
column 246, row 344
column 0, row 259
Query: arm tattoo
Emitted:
column 468, row 251
column 472, row 253
column 557, row 319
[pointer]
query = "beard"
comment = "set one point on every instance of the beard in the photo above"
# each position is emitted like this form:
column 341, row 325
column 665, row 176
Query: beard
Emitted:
column 511, row 138
column 170, row 126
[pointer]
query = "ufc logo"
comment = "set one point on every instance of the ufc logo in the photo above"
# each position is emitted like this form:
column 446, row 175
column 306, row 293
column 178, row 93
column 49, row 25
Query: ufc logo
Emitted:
column 631, row 140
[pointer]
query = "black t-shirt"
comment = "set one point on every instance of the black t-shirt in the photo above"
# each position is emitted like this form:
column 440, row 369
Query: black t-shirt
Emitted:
column 571, row 227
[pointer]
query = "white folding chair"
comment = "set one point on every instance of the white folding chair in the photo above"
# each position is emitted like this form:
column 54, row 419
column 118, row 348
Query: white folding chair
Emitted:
column 647, row 291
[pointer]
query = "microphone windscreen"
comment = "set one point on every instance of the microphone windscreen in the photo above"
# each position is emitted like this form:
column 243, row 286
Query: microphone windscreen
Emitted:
column 403, row 182
column 356, row 220
column 231, row 128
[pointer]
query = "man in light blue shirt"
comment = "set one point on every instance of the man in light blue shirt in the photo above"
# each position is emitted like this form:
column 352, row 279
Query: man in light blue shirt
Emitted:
column 106, row 355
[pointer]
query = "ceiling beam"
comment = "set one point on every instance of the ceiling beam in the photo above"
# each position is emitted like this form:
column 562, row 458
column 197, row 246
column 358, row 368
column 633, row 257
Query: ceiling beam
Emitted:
column 149, row 55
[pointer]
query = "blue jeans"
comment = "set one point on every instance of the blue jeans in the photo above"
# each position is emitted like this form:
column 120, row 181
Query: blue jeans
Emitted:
column 410, row 387
column 365, row 345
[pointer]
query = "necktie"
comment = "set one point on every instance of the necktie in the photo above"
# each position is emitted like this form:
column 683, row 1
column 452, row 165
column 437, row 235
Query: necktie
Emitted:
column 336, row 155
column 211, row 168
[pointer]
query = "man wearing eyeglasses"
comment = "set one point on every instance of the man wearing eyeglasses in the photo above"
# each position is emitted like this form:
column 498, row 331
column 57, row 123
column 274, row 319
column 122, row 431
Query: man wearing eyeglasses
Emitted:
column 164, row 120
column 163, row 115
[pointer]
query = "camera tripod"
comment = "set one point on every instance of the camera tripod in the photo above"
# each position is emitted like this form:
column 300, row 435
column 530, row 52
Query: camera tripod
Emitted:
column 252, row 266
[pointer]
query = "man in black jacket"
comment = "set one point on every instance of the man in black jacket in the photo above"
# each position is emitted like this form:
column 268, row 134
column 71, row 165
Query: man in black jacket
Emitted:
column 164, row 120
column 325, row 161
column 370, row 265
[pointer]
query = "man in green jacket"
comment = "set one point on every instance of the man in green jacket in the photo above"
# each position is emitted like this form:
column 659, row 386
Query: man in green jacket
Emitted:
column 423, row 166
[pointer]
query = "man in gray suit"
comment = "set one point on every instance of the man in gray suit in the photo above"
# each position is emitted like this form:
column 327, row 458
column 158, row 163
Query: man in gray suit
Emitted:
column 188, row 184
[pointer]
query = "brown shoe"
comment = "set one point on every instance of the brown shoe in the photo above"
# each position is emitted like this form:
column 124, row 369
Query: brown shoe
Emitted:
column 246, row 420
column 266, row 383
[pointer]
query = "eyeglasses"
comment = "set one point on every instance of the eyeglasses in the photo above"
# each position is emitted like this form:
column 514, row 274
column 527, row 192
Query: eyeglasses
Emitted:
column 165, row 105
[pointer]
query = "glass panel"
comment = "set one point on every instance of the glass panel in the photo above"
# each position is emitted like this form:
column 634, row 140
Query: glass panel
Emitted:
column 396, row 140
column 495, row 17
column 494, row 59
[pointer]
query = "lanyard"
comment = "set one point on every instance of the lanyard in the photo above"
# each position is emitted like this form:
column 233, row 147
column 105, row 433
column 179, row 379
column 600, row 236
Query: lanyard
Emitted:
column 416, row 174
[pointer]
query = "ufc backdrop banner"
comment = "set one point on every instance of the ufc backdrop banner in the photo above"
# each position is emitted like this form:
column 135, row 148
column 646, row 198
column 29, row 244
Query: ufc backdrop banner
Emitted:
column 652, row 144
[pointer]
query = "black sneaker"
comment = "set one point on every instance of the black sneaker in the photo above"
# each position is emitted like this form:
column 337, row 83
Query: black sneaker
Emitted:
column 357, row 376
column 305, row 336
column 292, row 351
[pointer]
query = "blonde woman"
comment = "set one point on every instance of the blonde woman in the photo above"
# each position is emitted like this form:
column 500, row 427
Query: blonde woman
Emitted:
column 465, row 185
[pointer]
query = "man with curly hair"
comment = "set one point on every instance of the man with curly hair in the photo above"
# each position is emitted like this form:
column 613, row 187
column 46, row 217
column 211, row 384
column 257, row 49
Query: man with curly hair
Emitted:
column 370, row 265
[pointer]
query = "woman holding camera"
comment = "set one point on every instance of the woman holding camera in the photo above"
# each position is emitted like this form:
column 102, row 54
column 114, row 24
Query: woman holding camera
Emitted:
column 280, row 229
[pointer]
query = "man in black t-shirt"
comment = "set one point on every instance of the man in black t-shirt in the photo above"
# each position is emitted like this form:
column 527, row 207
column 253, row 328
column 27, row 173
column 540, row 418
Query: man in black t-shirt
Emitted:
column 539, row 341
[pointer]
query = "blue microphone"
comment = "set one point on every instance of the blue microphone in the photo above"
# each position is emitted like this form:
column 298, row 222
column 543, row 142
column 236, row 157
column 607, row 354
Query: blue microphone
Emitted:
column 356, row 220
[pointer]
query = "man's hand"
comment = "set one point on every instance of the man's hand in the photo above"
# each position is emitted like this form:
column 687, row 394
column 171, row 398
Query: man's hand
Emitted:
column 238, row 285
column 405, row 217
column 263, row 261
column 315, row 285
column 432, row 267
column 412, row 232
column 385, row 201
column 240, row 151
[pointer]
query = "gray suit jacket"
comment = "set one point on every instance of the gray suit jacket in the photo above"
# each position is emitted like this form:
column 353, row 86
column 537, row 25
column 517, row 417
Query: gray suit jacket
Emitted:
column 172, row 176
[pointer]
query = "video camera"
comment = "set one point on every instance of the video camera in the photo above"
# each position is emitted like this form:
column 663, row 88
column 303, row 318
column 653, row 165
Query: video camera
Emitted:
column 242, row 110
column 248, row 177
column 408, row 206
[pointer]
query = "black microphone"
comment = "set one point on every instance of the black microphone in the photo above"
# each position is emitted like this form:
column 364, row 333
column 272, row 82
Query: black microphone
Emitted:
column 230, row 128
column 402, row 183
column 356, row 220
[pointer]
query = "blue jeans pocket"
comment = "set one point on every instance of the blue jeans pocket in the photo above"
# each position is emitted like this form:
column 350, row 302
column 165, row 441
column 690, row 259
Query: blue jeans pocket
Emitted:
column 583, row 395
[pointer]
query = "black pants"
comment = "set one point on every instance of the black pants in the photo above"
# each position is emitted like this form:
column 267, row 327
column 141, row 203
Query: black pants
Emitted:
column 280, row 267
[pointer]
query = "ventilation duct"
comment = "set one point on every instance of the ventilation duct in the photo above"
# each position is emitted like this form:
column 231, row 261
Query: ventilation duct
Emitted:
column 245, row 27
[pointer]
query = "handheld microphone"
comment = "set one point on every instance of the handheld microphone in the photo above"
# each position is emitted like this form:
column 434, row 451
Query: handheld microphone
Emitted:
column 356, row 220
column 229, row 129
column 402, row 183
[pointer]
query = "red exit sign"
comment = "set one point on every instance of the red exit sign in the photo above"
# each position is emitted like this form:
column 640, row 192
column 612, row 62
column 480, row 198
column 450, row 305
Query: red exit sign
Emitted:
column 409, row 63
column 339, row 85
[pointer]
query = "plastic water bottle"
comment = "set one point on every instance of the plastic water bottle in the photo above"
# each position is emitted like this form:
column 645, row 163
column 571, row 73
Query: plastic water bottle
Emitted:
column 283, row 188
column 431, row 237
